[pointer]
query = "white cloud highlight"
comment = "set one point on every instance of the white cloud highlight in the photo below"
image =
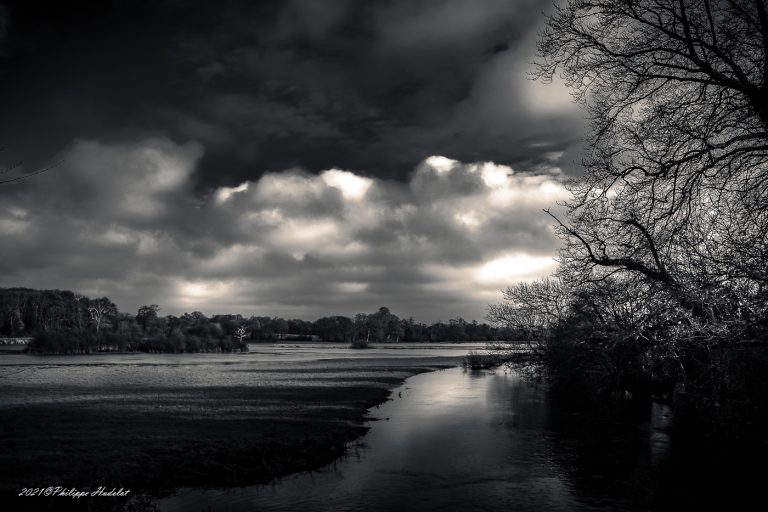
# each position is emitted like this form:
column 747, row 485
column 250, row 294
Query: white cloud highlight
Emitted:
column 127, row 223
column 352, row 187
column 224, row 193
column 515, row 267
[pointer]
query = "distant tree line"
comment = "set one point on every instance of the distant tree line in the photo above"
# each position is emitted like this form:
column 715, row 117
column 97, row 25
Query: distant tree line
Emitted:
column 62, row 321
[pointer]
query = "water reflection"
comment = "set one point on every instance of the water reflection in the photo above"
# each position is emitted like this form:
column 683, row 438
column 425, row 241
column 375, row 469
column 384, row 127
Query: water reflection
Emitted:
column 453, row 440
column 660, row 438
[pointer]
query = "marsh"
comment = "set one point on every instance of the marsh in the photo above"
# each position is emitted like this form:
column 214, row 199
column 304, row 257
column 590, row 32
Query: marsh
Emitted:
column 157, row 421
column 325, row 427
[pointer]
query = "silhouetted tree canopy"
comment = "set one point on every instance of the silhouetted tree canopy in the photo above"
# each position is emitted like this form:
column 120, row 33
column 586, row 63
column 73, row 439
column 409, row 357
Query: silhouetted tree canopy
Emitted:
column 663, row 278
column 675, row 184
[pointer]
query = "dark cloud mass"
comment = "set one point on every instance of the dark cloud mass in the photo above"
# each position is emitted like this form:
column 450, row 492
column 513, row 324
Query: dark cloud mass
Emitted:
column 203, row 144
column 374, row 86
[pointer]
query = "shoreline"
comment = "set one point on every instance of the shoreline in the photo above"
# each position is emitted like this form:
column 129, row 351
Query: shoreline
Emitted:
column 23, row 349
column 160, row 439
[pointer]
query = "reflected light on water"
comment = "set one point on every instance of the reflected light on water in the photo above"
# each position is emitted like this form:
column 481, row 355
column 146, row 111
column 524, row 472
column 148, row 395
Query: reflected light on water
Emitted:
column 448, row 440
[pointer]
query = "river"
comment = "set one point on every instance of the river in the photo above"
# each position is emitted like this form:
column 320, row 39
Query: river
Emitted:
column 458, row 440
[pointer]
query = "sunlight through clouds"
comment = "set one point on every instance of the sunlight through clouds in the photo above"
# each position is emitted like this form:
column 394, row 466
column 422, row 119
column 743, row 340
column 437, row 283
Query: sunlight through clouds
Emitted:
column 515, row 267
column 352, row 187
column 440, row 164
column 336, row 242
column 202, row 293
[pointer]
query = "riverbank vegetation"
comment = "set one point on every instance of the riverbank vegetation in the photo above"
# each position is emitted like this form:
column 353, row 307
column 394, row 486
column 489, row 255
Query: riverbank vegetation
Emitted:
column 476, row 360
column 63, row 322
column 662, row 286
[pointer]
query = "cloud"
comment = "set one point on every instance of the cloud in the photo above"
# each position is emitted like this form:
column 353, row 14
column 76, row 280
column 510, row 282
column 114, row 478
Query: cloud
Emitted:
column 421, row 26
column 369, row 86
column 127, row 183
column 123, row 220
column 3, row 24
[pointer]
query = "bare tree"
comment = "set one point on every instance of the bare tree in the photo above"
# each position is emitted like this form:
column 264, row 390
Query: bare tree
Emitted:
column 532, row 310
column 663, row 268
column 676, row 179
column 101, row 310
column 241, row 334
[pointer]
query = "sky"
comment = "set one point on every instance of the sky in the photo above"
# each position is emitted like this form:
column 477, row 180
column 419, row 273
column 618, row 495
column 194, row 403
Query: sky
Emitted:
column 295, row 158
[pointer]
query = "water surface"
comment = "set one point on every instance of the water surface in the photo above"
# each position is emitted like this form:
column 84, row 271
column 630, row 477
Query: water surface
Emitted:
column 109, row 377
column 448, row 440
column 456, row 440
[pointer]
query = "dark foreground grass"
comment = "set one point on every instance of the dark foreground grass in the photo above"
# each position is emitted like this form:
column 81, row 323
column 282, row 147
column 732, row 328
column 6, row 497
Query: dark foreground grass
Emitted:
column 152, row 440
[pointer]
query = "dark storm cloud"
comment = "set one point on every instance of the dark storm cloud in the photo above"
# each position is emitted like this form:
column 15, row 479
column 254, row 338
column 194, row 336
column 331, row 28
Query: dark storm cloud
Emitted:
column 264, row 86
column 203, row 145
column 3, row 23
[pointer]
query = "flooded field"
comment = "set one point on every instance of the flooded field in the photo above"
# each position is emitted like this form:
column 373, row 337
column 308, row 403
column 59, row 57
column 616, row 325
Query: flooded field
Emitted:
column 30, row 379
column 159, row 421
column 208, row 431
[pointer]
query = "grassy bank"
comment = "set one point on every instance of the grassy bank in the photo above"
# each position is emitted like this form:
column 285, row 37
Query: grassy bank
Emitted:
column 156, row 438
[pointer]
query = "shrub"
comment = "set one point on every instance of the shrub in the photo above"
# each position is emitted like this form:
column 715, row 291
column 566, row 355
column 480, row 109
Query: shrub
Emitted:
column 359, row 344
column 479, row 361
